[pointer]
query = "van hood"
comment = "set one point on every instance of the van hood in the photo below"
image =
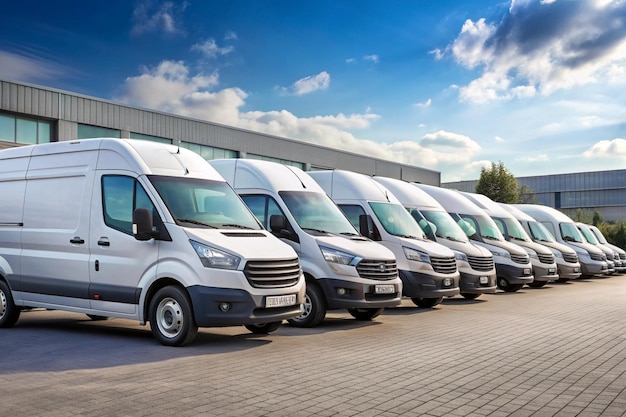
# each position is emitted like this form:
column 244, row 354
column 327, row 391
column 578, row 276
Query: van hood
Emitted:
column 558, row 246
column 507, row 246
column 427, row 246
column 588, row 247
column 534, row 246
column 467, row 248
column 361, row 247
column 247, row 244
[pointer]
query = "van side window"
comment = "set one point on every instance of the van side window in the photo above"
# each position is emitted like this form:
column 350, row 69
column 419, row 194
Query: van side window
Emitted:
column 263, row 207
column 352, row 212
column 120, row 196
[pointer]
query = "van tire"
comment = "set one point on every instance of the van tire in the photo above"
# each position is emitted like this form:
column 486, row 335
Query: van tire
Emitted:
column 9, row 312
column 426, row 302
column 95, row 317
column 537, row 284
column 365, row 314
column 264, row 328
column 505, row 286
column 470, row 296
column 314, row 307
column 171, row 317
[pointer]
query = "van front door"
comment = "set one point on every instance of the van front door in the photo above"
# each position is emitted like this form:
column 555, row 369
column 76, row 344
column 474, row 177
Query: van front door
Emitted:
column 118, row 261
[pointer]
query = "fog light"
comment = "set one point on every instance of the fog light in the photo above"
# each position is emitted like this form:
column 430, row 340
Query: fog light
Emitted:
column 341, row 291
column 224, row 307
column 447, row 282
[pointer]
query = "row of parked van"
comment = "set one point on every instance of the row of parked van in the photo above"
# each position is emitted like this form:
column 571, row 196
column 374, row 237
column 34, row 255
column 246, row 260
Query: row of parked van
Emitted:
column 152, row 232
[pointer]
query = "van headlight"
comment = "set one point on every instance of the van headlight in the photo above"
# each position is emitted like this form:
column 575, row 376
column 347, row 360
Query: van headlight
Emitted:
column 415, row 255
column 460, row 256
column 339, row 257
column 502, row 254
column 215, row 258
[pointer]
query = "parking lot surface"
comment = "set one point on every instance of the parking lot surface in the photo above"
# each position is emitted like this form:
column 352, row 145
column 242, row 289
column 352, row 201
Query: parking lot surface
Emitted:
column 553, row 351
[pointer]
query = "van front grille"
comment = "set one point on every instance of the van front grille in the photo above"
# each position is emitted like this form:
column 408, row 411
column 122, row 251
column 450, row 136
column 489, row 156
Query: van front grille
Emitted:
column 273, row 274
column 598, row 257
column 520, row 259
column 443, row 265
column 481, row 263
column 546, row 258
column 571, row 258
column 378, row 270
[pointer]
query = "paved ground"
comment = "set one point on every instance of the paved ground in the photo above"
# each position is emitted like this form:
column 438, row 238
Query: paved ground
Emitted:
column 555, row 351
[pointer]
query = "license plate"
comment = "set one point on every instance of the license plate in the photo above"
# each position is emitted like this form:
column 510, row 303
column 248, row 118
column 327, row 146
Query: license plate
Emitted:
column 280, row 300
column 384, row 289
column 551, row 271
column 526, row 271
column 484, row 280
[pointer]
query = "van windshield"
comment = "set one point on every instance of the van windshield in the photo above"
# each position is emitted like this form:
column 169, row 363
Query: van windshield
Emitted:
column 315, row 212
column 539, row 232
column 446, row 228
column 195, row 202
column 589, row 237
column 484, row 227
column 512, row 229
column 396, row 220
column 598, row 234
column 570, row 233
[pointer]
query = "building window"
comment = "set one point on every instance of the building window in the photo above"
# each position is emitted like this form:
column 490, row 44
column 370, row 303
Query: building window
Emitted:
column 300, row 165
column 26, row 131
column 88, row 131
column 134, row 135
column 209, row 152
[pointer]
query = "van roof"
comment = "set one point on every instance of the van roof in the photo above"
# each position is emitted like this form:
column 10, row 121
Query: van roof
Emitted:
column 266, row 175
column 491, row 207
column 409, row 194
column 348, row 185
column 543, row 213
column 451, row 200
column 517, row 213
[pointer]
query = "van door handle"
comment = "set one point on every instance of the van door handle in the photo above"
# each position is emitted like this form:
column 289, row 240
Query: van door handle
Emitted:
column 77, row 240
column 104, row 243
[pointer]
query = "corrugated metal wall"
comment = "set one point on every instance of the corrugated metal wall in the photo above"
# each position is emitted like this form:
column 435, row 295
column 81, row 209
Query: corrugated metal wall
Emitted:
column 69, row 109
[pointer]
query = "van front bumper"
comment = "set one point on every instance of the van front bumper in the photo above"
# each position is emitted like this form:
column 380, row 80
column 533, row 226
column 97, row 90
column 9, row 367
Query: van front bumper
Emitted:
column 568, row 271
column 474, row 283
column 243, row 307
column 421, row 285
column 346, row 294
column 515, row 274
column 544, row 273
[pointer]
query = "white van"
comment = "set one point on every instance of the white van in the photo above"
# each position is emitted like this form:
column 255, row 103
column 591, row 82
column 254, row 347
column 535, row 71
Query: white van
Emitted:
column 542, row 258
column 342, row 268
column 137, row 230
column 475, row 263
column 592, row 260
column 621, row 253
column 612, row 257
column 427, row 269
column 513, row 265
column 567, row 263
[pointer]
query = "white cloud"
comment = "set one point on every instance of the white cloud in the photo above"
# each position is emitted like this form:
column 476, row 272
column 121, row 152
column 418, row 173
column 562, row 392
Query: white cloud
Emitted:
column 26, row 68
column 230, row 36
column 210, row 49
column 499, row 139
column 541, row 47
column 170, row 87
column 374, row 58
column 424, row 104
column 158, row 16
column 539, row 158
column 606, row 149
column 311, row 83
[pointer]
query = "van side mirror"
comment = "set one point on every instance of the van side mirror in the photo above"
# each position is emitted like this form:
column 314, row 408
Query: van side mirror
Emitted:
column 142, row 224
column 366, row 226
column 278, row 223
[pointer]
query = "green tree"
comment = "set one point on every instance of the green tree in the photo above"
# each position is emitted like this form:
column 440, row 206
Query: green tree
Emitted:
column 498, row 184
column 526, row 195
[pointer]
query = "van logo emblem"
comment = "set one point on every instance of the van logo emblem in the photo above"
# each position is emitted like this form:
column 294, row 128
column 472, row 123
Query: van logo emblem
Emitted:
column 382, row 268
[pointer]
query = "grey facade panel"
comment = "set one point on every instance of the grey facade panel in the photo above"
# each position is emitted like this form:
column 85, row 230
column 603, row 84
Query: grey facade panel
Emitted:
column 69, row 110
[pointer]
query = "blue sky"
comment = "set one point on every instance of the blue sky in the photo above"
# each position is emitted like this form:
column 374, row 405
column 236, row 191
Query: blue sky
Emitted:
column 447, row 85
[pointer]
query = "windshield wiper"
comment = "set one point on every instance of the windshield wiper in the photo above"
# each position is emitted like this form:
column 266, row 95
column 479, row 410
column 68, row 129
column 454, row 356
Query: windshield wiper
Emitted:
column 349, row 234
column 238, row 226
column 196, row 222
column 490, row 237
column 452, row 238
column 317, row 230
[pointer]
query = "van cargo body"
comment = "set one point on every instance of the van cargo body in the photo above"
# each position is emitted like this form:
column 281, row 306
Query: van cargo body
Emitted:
column 342, row 268
column 475, row 263
column 567, row 263
column 563, row 230
column 427, row 269
column 542, row 258
column 137, row 230
column 513, row 265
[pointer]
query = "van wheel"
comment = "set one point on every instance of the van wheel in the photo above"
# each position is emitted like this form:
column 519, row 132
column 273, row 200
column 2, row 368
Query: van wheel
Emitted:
column 365, row 314
column 314, row 308
column 96, row 318
column 171, row 317
column 264, row 328
column 9, row 313
column 538, row 284
column 426, row 302
column 504, row 285
column 468, row 296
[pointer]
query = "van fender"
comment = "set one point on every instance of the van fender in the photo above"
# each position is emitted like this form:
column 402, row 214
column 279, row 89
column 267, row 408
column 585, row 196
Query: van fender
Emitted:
column 5, row 268
column 165, row 272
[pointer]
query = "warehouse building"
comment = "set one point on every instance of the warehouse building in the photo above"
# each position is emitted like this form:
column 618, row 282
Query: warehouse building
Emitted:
column 604, row 191
column 32, row 114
